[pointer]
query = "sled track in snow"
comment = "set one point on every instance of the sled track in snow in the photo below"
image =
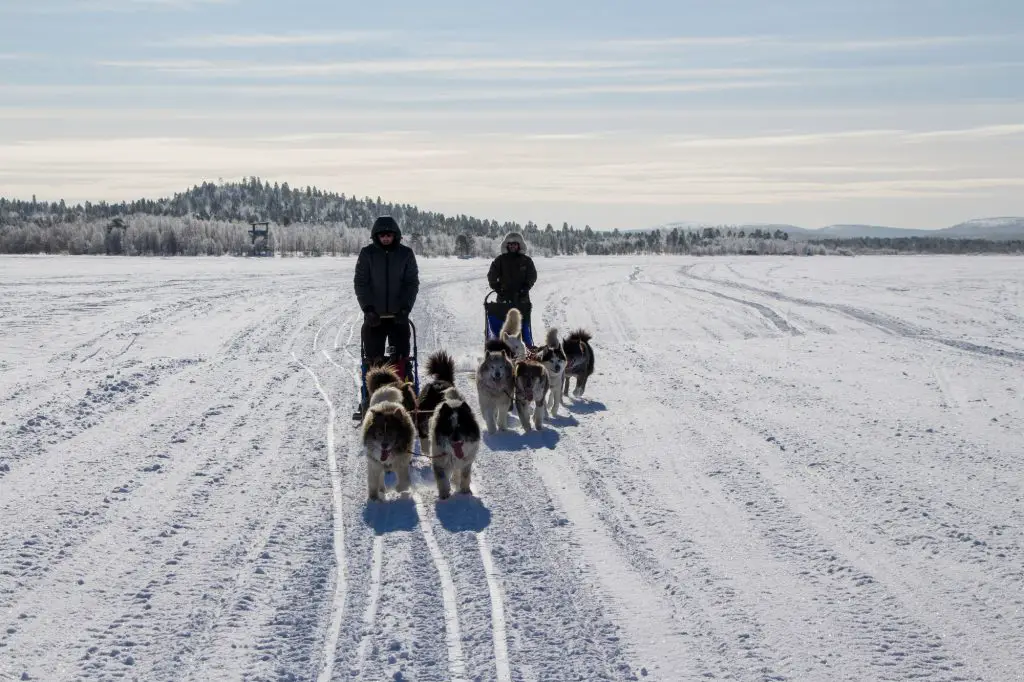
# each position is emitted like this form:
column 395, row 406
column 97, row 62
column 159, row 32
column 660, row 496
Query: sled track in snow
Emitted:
column 338, row 601
column 879, row 321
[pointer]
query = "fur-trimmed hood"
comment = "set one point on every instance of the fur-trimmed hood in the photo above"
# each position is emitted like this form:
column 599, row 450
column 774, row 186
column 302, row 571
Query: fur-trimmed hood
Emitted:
column 385, row 223
column 513, row 237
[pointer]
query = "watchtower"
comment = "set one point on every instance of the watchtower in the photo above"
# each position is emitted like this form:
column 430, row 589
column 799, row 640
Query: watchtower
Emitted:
column 260, row 234
column 114, row 243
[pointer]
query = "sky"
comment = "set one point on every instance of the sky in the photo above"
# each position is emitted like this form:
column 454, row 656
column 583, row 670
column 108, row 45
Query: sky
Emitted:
column 908, row 114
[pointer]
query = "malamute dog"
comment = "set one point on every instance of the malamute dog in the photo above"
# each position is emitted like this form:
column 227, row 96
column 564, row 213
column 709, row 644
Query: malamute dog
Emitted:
column 441, row 370
column 512, row 333
column 579, row 357
column 386, row 375
column 553, row 358
column 494, row 385
column 531, row 386
column 454, row 441
column 388, row 435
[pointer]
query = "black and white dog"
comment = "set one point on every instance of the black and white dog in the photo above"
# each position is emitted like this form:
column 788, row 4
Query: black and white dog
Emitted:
column 579, row 356
column 454, row 442
column 553, row 358
column 441, row 373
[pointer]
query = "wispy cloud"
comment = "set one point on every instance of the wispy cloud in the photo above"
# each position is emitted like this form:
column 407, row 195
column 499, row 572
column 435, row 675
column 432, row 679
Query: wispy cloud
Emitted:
column 891, row 135
column 112, row 6
column 793, row 43
column 980, row 132
column 444, row 170
column 208, row 68
column 241, row 40
column 788, row 140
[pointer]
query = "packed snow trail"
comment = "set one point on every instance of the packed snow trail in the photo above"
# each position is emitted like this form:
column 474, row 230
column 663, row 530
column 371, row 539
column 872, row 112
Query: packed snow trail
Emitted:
column 338, row 603
column 784, row 468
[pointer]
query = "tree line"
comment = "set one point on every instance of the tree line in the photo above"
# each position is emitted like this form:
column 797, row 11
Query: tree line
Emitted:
column 213, row 220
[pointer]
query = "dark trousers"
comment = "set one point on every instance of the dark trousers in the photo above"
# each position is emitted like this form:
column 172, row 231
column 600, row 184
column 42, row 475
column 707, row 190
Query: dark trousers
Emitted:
column 375, row 339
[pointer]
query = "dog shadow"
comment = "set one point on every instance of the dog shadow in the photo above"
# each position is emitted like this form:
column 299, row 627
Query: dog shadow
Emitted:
column 585, row 406
column 512, row 441
column 462, row 513
column 391, row 515
column 563, row 420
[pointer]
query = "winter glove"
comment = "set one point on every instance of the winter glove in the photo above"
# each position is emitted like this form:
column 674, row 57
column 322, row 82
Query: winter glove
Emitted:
column 402, row 315
column 371, row 317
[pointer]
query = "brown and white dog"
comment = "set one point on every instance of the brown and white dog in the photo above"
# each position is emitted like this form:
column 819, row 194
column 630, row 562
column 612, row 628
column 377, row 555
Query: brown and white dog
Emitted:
column 388, row 435
column 512, row 333
column 531, row 386
column 380, row 376
column 494, row 384
column 454, row 441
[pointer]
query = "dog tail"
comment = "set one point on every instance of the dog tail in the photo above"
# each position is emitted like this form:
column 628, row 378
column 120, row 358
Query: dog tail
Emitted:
column 513, row 323
column 552, row 339
column 579, row 335
column 378, row 377
column 497, row 345
column 442, row 366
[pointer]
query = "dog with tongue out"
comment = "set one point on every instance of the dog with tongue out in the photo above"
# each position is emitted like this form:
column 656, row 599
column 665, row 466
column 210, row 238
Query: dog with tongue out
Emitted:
column 388, row 435
column 453, row 441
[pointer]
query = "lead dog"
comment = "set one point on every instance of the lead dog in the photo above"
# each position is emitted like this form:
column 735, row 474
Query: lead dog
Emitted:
column 387, row 434
column 531, row 386
column 454, row 442
column 494, row 385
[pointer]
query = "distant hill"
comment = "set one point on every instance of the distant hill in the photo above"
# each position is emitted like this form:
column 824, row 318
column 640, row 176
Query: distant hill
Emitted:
column 1004, row 228
column 987, row 228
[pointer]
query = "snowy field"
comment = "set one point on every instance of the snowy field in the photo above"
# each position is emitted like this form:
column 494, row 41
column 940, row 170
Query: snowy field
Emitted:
column 784, row 469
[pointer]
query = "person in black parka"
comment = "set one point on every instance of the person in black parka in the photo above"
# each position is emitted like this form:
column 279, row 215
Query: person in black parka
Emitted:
column 512, row 274
column 386, row 284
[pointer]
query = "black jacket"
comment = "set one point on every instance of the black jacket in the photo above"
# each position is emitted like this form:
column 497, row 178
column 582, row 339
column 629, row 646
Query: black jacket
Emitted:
column 386, row 280
column 512, row 275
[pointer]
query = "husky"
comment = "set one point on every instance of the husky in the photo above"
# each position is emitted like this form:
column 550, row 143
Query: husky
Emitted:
column 512, row 333
column 441, row 370
column 531, row 386
column 494, row 384
column 579, row 357
column 386, row 375
column 553, row 358
column 388, row 434
column 454, row 441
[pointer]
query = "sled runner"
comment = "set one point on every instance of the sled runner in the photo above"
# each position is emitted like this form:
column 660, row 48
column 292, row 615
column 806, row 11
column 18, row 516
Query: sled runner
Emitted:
column 494, row 317
column 411, row 366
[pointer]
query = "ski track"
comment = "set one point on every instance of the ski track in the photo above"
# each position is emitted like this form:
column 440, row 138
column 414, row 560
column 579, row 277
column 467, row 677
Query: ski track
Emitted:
column 784, row 469
column 341, row 582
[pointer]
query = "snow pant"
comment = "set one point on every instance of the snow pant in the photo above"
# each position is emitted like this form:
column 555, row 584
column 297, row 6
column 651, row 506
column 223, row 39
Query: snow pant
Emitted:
column 376, row 339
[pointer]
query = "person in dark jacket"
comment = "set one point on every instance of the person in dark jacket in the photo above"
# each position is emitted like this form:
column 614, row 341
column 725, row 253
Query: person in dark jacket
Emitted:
column 512, row 274
column 386, row 283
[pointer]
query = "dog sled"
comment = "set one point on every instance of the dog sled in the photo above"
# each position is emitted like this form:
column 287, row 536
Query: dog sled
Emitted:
column 494, row 317
column 412, row 370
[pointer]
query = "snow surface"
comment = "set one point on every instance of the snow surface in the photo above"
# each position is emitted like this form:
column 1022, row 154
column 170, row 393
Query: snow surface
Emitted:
column 784, row 468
